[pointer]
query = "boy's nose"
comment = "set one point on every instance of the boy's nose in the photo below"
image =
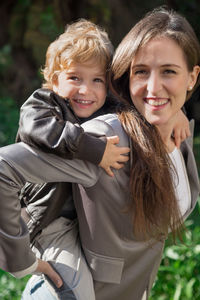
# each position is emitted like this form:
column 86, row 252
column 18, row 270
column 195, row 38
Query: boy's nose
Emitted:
column 83, row 88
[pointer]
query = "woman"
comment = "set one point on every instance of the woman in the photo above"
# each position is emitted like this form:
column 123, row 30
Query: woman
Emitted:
column 123, row 230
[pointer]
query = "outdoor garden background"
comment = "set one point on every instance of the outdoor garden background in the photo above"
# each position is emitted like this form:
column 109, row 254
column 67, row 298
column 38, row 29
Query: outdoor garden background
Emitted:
column 26, row 29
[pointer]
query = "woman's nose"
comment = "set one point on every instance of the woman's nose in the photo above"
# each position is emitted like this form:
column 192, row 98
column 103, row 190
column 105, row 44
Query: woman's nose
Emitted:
column 154, row 84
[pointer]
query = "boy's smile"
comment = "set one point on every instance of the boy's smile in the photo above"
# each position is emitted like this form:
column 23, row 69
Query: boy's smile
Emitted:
column 84, row 84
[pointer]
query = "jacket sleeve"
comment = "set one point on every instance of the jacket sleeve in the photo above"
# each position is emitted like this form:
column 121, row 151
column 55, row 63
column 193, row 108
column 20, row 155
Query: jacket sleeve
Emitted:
column 14, row 235
column 20, row 163
column 48, row 123
column 190, row 163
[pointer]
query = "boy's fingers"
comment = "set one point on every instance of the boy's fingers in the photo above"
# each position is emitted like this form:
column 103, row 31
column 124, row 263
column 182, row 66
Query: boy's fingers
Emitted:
column 188, row 133
column 183, row 136
column 113, row 139
column 109, row 172
column 177, row 142
column 124, row 150
column 123, row 158
column 118, row 166
column 180, row 136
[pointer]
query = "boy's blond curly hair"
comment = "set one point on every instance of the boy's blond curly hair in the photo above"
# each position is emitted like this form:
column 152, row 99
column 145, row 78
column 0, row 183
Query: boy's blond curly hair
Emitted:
column 81, row 41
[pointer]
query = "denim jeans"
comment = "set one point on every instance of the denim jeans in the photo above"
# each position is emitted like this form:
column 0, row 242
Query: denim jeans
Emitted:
column 36, row 289
column 59, row 245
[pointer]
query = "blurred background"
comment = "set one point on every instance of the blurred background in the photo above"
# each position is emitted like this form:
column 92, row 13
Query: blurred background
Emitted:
column 27, row 28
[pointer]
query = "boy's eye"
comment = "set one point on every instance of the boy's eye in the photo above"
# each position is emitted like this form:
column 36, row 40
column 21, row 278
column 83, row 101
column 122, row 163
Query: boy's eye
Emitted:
column 74, row 78
column 98, row 80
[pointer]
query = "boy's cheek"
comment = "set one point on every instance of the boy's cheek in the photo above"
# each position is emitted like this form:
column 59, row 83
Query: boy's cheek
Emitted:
column 66, row 92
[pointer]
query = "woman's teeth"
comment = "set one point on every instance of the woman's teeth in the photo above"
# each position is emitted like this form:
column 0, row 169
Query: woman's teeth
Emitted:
column 156, row 102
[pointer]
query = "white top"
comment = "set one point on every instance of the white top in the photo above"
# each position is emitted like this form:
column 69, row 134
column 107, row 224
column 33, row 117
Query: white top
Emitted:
column 181, row 183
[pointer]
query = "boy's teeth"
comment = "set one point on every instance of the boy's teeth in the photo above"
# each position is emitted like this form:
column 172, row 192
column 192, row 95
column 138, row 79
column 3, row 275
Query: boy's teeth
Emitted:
column 157, row 103
column 84, row 101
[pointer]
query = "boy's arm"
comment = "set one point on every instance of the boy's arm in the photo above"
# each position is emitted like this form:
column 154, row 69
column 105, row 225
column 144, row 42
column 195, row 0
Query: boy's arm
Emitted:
column 181, row 129
column 47, row 122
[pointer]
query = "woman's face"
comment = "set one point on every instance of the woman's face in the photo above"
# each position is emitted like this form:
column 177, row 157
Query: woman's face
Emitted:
column 160, row 79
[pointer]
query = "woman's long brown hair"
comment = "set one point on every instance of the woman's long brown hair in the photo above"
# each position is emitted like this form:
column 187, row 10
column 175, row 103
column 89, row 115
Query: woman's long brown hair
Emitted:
column 153, row 205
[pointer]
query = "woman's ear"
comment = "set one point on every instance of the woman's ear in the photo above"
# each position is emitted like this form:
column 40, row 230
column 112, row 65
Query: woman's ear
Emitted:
column 193, row 77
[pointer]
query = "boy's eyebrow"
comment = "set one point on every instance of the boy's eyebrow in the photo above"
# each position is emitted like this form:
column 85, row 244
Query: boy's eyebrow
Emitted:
column 100, row 74
column 71, row 72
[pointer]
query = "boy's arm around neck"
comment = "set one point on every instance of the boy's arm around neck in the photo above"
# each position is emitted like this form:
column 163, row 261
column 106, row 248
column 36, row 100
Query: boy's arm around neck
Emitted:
column 48, row 123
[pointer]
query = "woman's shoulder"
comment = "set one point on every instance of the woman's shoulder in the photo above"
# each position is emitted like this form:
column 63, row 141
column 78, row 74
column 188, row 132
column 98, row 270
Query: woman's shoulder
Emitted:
column 108, row 125
column 108, row 118
column 102, row 123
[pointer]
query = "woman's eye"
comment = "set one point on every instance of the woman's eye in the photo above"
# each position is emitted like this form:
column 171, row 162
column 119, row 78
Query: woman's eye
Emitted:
column 169, row 71
column 140, row 72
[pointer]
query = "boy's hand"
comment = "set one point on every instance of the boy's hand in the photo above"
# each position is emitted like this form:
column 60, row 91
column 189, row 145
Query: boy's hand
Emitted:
column 45, row 268
column 181, row 128
column 113, row 155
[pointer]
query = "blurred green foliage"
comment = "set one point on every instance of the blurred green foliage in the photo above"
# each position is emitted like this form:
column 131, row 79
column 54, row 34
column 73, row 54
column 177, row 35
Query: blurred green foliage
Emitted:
column 10, row 287
column 28, row 27
column 9, row 115
column 179, row 274
column 5, row 58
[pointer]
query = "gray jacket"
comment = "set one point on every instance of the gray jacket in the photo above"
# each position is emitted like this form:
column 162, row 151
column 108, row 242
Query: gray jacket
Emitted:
column 47, row 122
column 126, row 265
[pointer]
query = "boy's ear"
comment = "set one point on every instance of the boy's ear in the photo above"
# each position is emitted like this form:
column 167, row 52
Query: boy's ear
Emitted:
column 55, row 83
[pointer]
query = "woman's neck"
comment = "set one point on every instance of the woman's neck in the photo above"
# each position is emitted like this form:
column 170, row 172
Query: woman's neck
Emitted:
column 166, row 135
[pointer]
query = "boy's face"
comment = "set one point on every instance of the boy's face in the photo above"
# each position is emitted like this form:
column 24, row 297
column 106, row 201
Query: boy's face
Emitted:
column 85, row 87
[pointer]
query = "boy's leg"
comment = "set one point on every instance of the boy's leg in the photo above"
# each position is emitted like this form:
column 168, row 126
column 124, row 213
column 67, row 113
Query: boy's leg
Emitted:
column 76, row 284
column 59, row 244
column 36, row 289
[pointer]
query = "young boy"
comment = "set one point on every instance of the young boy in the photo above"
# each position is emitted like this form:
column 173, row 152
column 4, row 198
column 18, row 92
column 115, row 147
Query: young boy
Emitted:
column 75, row 89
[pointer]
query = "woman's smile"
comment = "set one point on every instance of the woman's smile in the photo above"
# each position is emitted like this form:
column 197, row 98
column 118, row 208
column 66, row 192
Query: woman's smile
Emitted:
column 156, row 103
column 159, row 81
